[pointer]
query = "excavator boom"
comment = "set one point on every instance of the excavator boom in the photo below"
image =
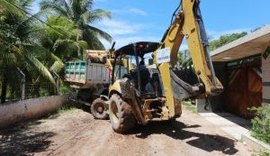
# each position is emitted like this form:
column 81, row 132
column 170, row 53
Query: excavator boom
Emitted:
column 188, row 23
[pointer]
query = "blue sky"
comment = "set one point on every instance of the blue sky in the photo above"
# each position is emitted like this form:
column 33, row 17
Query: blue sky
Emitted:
column 134, row 20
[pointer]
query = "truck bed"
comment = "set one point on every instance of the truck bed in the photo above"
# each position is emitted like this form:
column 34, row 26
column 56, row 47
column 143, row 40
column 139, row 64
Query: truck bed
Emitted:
column 81, row 74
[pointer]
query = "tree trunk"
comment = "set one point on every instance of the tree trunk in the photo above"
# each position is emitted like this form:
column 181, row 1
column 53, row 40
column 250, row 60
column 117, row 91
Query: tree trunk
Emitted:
column 78, row 50
column 4, row 90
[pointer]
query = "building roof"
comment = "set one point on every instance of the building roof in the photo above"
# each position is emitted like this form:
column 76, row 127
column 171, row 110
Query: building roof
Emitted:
column 249, row 45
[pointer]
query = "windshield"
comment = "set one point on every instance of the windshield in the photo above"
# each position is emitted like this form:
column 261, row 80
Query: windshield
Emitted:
column 119, row 72
column 120, row 67
column 147, row 59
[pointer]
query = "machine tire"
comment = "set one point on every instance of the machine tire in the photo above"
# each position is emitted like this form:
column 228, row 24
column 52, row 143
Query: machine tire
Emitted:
column 99, row 109
column 121, row 116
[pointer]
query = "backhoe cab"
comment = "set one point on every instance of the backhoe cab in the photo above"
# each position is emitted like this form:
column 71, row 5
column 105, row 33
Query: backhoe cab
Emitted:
column 136, row 91
column 140, row 93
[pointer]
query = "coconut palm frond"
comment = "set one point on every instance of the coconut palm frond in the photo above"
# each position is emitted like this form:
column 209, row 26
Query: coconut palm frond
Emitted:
column 25, row 4
column 58, row 64
column 62, row 42
column 12, row 7
column 97, row 15
column 82, row 44
column 101, row 33
column 81, row 14
column 40, row 67
column 56, row 58
column 77, row 10
column 57, row 67
column 87, row 4
column 49, row 5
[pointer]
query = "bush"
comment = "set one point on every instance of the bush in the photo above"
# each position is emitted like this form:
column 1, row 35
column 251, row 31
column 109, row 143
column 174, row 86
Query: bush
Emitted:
column 43, row 92
column 261, row 153
column 261, row 123
column 64, row 90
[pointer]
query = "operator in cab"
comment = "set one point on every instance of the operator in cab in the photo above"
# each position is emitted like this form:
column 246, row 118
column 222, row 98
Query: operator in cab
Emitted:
column 144, row 75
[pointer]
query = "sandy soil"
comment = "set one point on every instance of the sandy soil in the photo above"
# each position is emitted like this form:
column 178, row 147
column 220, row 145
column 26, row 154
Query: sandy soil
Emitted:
column 77, row 133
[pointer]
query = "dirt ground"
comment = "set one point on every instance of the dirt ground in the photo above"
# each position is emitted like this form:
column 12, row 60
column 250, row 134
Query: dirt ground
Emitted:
column 77, row 133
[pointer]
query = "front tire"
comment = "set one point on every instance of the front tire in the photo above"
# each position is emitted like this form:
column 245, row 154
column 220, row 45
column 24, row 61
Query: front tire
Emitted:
column 121, row 116
column 99, row 109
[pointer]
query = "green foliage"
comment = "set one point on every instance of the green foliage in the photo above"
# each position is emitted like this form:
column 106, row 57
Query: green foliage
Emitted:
column 60, row 37
column 258, row 28
column 64, row 90
column 261, row 153
column 225, row 39
column 18, row 46
column 39, row 50
column 191, row 107
column 82, row 15
column 184, row 59
column 43, row 92
column 261, row 123
column 67, row 109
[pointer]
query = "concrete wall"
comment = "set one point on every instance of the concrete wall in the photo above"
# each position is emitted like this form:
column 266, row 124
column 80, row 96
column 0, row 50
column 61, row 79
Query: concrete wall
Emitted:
column 266, row 79
column 29, row 109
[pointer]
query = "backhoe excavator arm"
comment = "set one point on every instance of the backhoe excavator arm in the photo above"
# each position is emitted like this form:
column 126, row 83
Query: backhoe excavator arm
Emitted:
column 187, row 23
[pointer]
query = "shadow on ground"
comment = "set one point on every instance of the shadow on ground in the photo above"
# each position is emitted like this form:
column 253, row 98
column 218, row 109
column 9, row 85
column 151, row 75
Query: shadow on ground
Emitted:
column 178, row 130
column 20, row 140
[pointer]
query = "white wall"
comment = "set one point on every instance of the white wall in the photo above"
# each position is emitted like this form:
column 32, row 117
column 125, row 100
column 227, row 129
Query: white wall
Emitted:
column 266, row 79
column 29, row 109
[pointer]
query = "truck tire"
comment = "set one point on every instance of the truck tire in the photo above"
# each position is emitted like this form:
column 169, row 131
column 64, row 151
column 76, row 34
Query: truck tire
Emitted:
column 121, row 116
column 99, row 109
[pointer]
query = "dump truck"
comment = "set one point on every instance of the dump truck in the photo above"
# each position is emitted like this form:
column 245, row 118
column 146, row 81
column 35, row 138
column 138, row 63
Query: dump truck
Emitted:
column 90, row 78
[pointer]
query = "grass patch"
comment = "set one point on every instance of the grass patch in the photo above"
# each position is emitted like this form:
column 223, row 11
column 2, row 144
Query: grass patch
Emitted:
column 261, row 153
column 63, row 110
column 261, row 124
column 189, row 106
column 66, row 108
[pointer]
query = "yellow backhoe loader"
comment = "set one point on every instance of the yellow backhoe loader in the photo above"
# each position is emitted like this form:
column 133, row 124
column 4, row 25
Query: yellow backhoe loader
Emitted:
column 140, row 93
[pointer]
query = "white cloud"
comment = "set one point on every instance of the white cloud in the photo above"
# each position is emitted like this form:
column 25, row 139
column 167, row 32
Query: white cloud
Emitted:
column 125, row 32
column 124, row 40
column 121, row 41
column 133, row 11
column 138, row 11
column 116, row 27
column 216, row 34
column 101, row 0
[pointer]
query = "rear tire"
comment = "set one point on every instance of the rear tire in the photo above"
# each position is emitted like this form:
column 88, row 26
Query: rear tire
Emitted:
column 99, row 109
column 121, row 116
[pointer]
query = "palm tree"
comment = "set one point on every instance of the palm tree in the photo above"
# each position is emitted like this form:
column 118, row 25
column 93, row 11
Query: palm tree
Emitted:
column 59, row 37
column 17, row 47
column 82, row 14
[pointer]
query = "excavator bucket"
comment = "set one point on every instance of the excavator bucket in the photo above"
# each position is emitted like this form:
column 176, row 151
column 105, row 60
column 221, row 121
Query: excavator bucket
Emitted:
column 185, row 83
